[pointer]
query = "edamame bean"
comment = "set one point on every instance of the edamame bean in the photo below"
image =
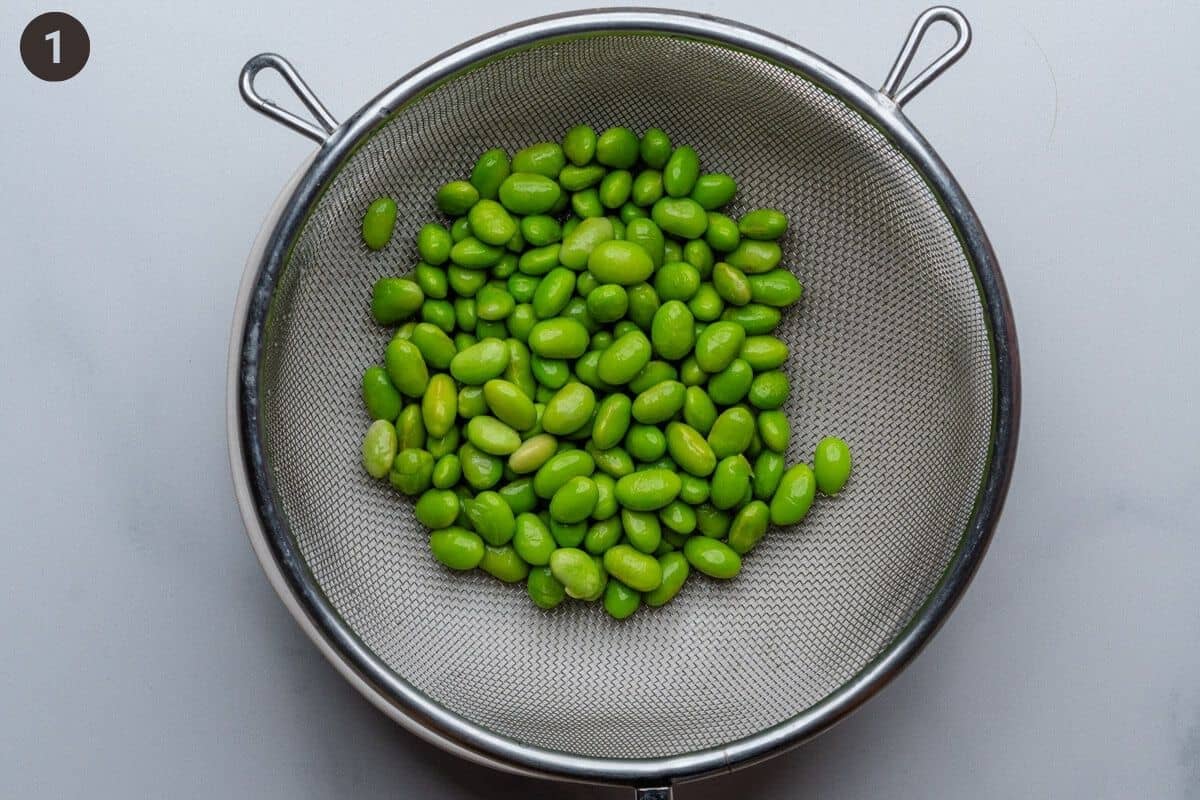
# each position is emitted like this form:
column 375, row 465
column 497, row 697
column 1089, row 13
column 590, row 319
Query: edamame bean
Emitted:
column 510, row 404
column 551, row 373
column 503, row 563
column 432, row 281
column 748, row 527
column 674, row 567
column 731, row 432
column 617, row 148
column 528, row 193
column 794, row 496
column 693, row 490
column 651, row 375
column 755, row 257
column 646, row 234
column 655, row 148
column 443, row 446
column 646, row 443
column 439, row 406
column 763, row 223
column 621, row 262
column 612, row 421
column 602, row 535
column 412, row 471
column 711, row 521
column 659, row 403
column 395, row 300
column 489, row 172
column 439, row 313
column 679, row 517
column 480, row 470
column 731, row 284
column 671, row 331
column 406, row 367
column 768, row 471
column 615, row 188
column 690, row 373
column 543, row 158
column 730, row 481
column 569, row 409
column 647, row 490
column 587, row 205
column 456, row 198
column 757, row 319
column 490, row 223
column 677, row 281
column 642, row 529
column 480, row 362
column 558, row 338
column 410, row 428
column 579, row 144
column 606, row 498
column 471, row 402
column 681, row 171
column 621, row 362
column 831, row 465
column 722, row 233
column 719, row 345
column 574, row 501
column 436, row 508
column 776, row 288
column 620, row 601
column 434, row 243
column 714, row 190
column 532, row 539
column 446, row 471
column 731, row 384
column 554, row 292
column 647, row 188
column 576, row 179
column 635, row 569
column 436, row 348
column 577, row 246
column 456, row 548
column 379, row 448
column 544, row 589
column 680, row 216
column 533, row 453
column 492, row 436
column 576, row 571
column 712, row 557
column 559, row 469
column 539, row 260
column 706, row 305
column 607, row 303
column 769, row 390
column 378, row 223
column 492, row 518
column 643, row 305
column 614, row 461
column 689, row 449
column 379, row 395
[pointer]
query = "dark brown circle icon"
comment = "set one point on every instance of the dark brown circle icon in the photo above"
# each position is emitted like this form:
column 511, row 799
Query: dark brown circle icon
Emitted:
column 55, row 46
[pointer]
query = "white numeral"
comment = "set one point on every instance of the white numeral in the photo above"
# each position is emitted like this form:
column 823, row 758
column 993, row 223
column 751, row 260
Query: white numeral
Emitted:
column 55, row 53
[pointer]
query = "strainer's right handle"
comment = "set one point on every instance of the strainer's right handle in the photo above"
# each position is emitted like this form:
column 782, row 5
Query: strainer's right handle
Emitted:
column 902, row 94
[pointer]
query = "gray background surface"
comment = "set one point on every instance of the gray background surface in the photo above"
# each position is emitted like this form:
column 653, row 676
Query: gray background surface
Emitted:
column 146, row 656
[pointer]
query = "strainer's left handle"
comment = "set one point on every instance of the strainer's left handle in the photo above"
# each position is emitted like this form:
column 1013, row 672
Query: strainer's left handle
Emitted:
column 264, row 106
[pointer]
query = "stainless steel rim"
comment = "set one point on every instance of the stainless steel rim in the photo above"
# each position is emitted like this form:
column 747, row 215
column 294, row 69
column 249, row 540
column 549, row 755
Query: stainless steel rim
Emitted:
column 269, row 532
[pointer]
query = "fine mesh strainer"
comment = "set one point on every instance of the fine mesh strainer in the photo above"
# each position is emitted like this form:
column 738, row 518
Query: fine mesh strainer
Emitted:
column 903, row 344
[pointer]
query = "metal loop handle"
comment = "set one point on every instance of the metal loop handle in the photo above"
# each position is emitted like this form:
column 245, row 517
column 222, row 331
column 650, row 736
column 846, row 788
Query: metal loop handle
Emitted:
column 902, row 94
column 264, row 106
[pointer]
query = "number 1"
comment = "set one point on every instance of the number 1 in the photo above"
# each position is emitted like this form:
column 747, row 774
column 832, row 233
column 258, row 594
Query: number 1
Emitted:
column 55, row 53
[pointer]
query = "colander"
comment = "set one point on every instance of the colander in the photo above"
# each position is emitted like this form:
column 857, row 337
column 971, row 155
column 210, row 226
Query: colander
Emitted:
column 903, row 345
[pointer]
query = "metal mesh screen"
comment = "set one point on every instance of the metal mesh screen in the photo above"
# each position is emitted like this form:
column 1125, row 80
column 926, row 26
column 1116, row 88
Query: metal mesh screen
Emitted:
column 889, row 350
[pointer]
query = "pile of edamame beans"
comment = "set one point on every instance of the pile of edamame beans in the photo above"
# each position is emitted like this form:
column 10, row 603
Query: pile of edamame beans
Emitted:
column 583, row 391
